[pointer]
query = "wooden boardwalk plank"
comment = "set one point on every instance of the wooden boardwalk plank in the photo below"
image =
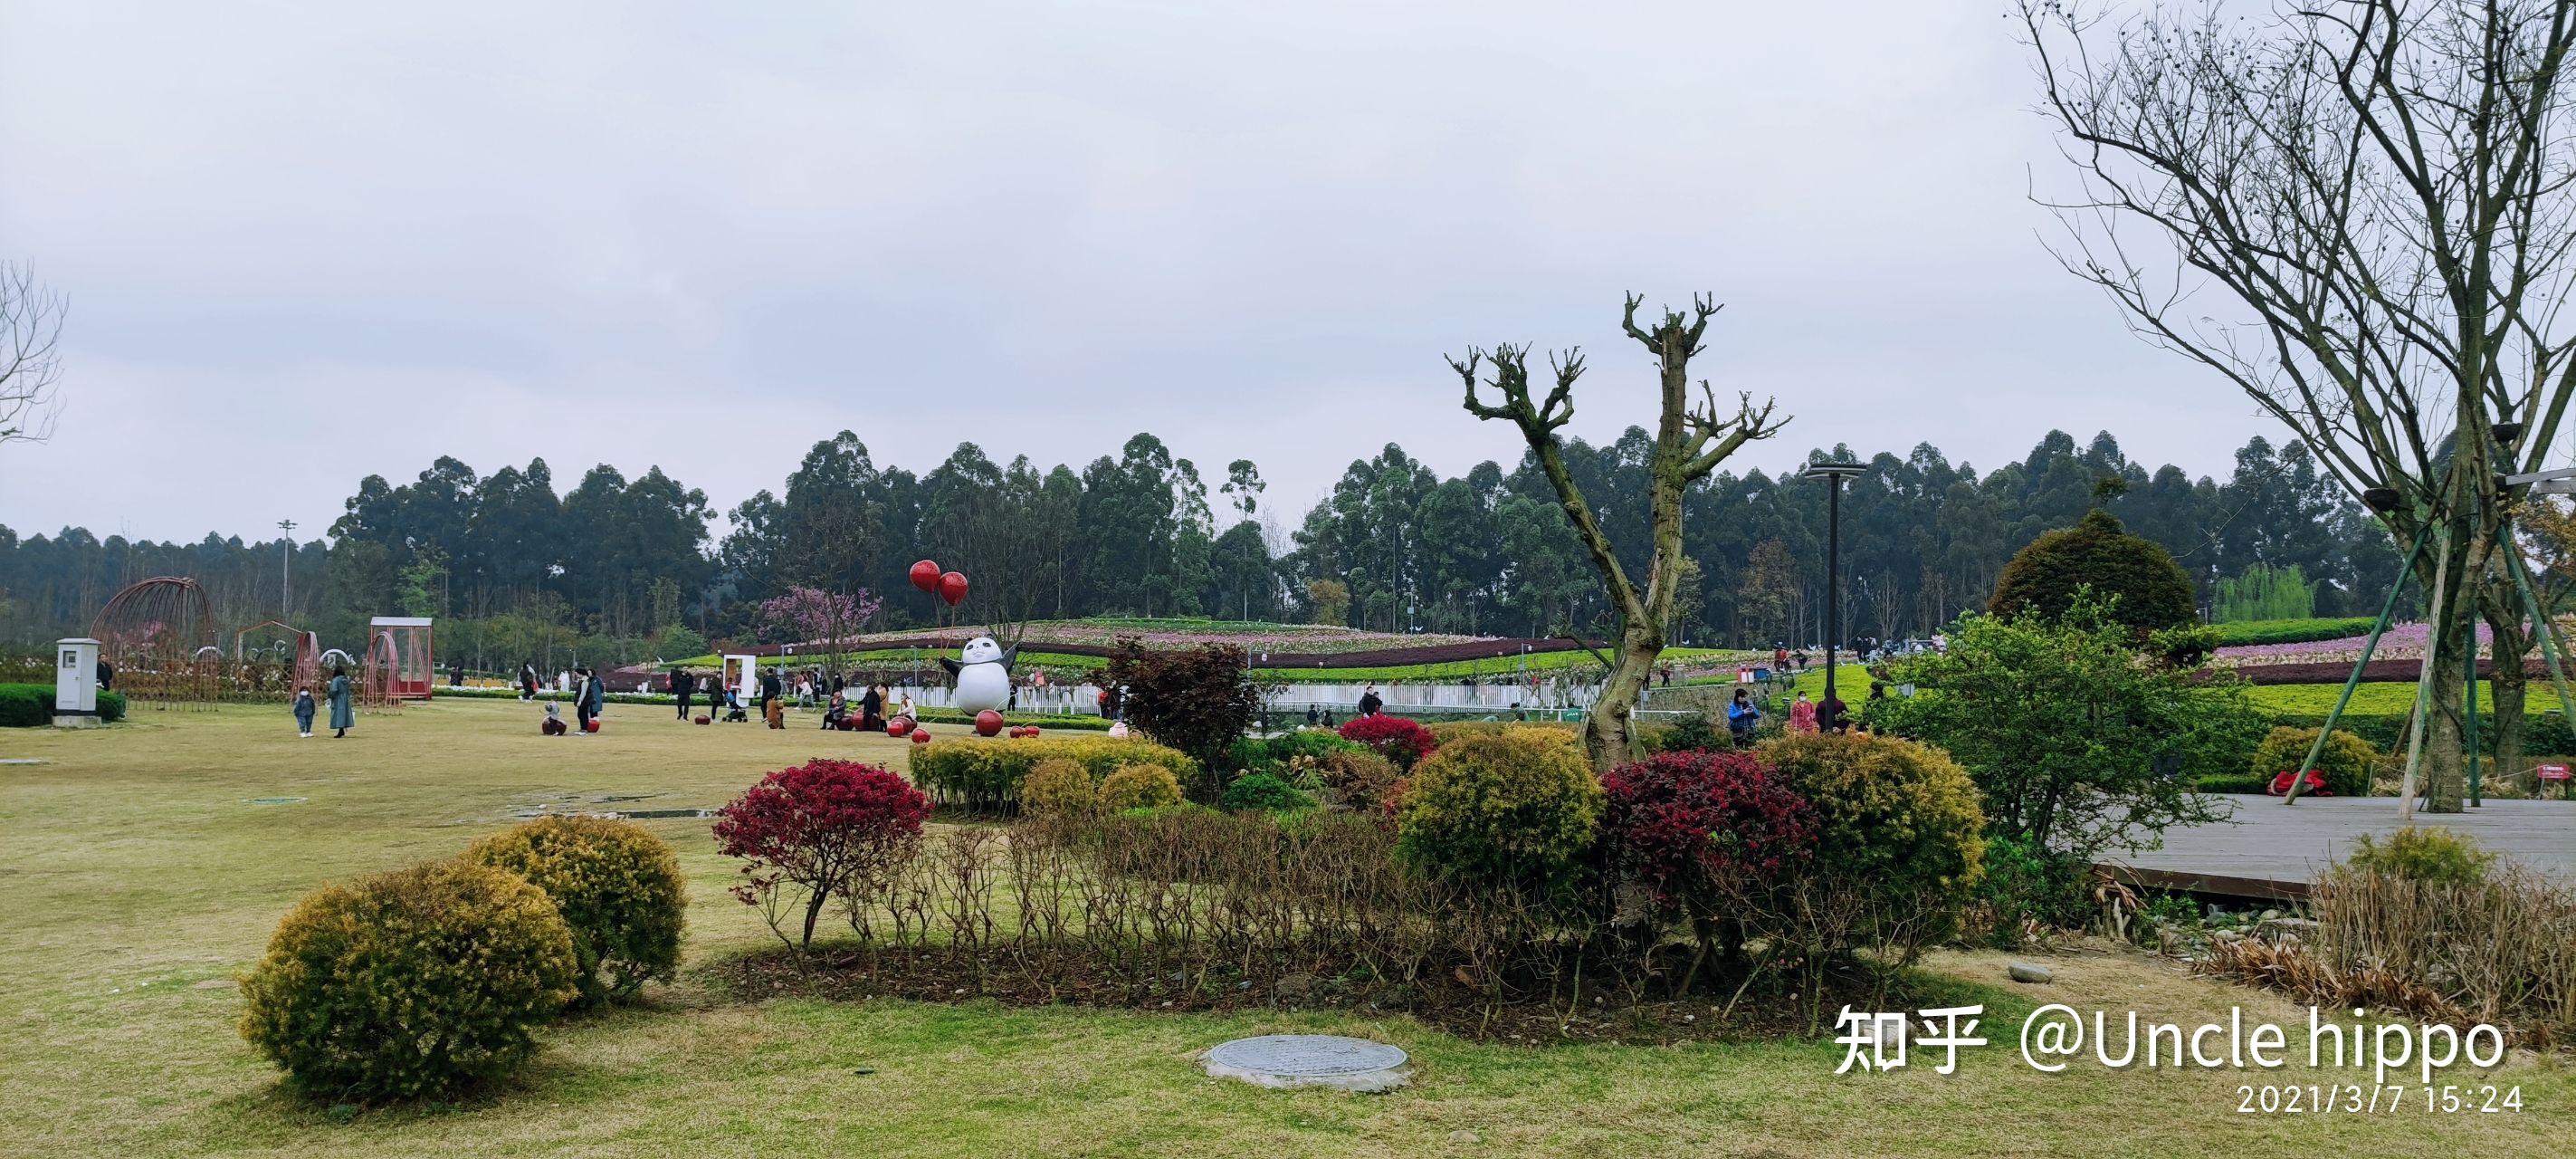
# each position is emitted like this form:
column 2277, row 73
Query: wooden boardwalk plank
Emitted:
column 2266, row 841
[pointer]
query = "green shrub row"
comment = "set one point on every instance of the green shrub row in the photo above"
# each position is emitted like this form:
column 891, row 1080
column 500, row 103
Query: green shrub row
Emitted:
column 2292, row 631
column 31, row 705
column 985, row 772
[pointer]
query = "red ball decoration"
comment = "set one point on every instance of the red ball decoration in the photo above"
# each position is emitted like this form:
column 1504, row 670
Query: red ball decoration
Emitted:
column 591, row 726
column 899, row 726
column 952, row 588
column 921, row 736
column 925, row 575
column 988, row 723
column 1033, row 730
column 705, row 719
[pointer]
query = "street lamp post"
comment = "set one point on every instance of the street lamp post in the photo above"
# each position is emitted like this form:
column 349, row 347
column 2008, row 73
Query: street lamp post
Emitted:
column 1833, row 474
column 286, row 571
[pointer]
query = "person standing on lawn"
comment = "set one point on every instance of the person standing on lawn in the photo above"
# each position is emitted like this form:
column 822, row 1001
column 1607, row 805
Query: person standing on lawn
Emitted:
column 304, row 711
column 681, row 685
column 581, row 707
column 342, row 719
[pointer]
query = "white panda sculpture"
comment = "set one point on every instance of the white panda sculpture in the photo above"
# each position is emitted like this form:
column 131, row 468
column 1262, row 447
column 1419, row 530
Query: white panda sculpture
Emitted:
column 983, row 675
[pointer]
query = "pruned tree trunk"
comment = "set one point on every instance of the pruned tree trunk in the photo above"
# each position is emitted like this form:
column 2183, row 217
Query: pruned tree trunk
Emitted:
column 1690, row 441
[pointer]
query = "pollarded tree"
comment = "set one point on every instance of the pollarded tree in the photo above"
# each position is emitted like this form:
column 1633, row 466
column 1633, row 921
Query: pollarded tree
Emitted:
column 2359, row 212
column 1690, row 441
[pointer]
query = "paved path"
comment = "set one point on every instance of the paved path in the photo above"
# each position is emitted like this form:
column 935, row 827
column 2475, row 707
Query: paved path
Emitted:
column 2267, row 842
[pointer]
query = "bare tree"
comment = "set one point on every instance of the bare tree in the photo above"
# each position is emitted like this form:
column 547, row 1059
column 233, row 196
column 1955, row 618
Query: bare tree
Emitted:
column 1690, row 441
column 31, row 322
column 2358, row 212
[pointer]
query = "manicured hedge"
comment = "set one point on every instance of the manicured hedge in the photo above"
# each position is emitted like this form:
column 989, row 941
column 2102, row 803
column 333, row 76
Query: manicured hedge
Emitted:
column 985, row 772
column 32, row 705
column 2292, row 631
column 2541, row 734
column 927, row 715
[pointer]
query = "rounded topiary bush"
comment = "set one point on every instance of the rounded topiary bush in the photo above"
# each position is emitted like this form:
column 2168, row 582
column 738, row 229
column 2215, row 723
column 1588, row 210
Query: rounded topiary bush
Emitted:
column 1264, row 792
column 1057, row 786
column 413, row 983
column 2348, row 761
column 1898, row 839
column 1140, row 786
column 1500, row 808
column 2043, row 576
column 618, row 887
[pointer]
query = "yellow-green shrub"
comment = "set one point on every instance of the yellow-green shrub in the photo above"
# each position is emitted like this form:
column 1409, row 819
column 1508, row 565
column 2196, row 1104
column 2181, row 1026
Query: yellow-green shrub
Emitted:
column 2347, row 762
column 618, row 887
column 1058, row 786
column 2424, row 853
column 1140, row 786
column 412, row 983
column 1449, row 730
column 1358, row 779
column 985, row 772
column 1899, row 839
column 1500, row 808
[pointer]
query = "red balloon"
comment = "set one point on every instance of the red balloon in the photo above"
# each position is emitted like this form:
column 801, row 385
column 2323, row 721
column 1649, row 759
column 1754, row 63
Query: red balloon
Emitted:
column 921, row 736
column 925, row 575
column 952, row 588
column 988, row 722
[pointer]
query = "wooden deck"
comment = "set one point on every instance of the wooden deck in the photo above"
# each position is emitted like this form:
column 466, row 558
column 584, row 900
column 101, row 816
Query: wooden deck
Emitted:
column 2267, row 849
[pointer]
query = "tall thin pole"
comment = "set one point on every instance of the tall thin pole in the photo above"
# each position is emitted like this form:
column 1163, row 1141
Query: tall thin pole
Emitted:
column 1833, row 591
column 286, row 570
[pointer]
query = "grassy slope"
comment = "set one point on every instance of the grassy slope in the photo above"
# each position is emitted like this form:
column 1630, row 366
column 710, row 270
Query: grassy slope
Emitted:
column 135, row 877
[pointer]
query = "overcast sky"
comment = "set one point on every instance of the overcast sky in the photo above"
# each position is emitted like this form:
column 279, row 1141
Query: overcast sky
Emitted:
column 305, row 243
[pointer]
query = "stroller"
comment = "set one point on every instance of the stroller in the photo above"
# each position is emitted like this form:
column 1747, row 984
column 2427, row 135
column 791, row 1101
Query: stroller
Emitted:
column 733, row 707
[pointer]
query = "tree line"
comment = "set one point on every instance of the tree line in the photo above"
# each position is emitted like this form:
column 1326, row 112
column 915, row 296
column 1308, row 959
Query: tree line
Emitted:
column 621, row 568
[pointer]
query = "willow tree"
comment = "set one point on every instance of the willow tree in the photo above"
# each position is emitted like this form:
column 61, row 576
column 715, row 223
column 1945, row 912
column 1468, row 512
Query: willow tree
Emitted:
column 2358, row 212
column 1691, row 439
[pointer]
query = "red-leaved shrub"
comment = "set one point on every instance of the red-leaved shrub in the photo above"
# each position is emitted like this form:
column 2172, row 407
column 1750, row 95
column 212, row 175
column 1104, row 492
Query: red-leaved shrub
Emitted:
column 1396, row 738
column 1700, row 829
column 823, row 829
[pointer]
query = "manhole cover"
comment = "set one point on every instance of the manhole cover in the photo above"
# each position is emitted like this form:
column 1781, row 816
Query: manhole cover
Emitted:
column 1310, row 1060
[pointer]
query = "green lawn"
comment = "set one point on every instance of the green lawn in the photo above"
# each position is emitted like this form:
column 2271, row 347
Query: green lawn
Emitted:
column 139, row 873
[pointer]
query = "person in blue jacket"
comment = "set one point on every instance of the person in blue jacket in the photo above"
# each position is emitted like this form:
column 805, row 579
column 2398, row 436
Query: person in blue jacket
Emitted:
column 1741, row 717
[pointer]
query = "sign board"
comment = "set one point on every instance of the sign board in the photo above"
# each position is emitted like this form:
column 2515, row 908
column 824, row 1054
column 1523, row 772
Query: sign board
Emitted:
column 2553, row 772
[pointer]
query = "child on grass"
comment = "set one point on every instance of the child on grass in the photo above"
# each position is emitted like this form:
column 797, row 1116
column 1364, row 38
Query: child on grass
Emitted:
column 304, row 711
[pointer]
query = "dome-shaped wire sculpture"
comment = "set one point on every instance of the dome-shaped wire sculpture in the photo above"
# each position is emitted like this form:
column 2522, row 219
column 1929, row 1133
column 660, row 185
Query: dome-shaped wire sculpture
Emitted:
column 275, row 657
column 151, row 635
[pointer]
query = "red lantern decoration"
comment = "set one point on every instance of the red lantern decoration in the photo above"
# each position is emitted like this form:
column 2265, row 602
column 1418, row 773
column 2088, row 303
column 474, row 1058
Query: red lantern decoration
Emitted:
column 988, row 723
column 925, row 575
column 921, row 736
column 952, row 588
